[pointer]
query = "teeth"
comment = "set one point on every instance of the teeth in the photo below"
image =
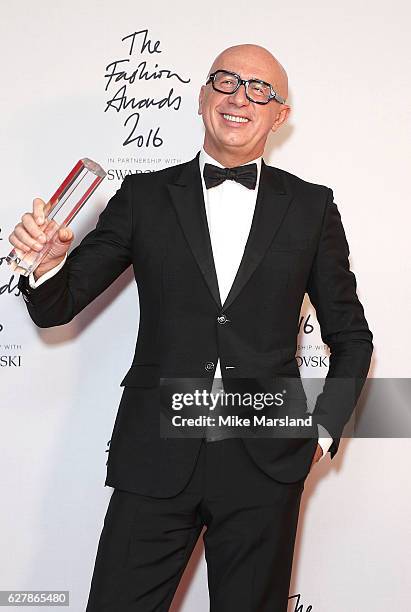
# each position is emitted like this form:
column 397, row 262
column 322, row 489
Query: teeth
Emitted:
column 236, row 119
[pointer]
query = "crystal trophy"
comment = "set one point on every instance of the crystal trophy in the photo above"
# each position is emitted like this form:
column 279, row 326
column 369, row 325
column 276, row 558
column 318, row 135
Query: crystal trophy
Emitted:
column 60, row 211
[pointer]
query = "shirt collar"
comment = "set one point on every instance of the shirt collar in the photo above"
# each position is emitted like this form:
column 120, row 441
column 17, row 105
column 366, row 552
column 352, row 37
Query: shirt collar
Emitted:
column 205, row 158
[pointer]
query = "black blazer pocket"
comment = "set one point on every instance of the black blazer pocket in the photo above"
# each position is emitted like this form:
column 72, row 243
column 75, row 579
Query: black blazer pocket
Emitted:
column 147, row 375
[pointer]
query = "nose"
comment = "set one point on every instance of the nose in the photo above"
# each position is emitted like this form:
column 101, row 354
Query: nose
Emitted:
column 239, row 98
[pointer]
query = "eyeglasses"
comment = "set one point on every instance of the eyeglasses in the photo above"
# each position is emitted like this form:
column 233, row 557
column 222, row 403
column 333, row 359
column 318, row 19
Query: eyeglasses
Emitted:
column 256, row 91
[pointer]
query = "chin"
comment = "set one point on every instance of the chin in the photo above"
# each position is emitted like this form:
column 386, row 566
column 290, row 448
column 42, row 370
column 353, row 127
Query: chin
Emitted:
column 236, row 142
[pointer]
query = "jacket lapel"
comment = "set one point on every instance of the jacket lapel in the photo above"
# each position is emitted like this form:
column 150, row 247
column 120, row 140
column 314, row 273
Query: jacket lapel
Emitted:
column 188, row 199
column 271, row 206
column 272, row 203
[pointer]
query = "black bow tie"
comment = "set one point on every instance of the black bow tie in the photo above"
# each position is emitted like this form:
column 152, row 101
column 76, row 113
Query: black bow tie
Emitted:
column 246, row 175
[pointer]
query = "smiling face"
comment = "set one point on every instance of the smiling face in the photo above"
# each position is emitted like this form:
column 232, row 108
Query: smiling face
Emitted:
column 236, row 129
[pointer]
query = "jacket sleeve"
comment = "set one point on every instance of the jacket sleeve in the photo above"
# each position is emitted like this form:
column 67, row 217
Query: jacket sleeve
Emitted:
column 332, row 291
column 102, row 255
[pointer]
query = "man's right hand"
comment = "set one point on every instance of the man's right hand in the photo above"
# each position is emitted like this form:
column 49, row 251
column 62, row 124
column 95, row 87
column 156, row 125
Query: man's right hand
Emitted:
column 33, row 232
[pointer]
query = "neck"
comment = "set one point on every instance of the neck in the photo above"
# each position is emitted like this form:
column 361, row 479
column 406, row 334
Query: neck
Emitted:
column 230, row 159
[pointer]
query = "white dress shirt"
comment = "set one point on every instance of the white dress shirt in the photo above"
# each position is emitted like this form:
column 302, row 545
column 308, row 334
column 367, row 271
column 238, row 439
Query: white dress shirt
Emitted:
column 230, row 209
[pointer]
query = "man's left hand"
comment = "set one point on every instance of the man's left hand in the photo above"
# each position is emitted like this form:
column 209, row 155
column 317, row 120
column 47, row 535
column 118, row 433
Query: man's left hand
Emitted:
column 317, row 455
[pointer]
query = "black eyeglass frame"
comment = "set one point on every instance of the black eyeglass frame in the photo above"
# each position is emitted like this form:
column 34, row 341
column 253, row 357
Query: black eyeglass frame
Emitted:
column 273, row 94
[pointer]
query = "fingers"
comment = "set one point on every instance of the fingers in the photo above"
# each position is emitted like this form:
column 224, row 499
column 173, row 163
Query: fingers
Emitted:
column 27, row 235
column 30, row 226
column 40, row 210
column 65, row 234
column 18, row 244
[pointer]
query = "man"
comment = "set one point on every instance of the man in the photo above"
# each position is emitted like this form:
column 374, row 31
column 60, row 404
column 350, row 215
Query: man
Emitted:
column 222, row 256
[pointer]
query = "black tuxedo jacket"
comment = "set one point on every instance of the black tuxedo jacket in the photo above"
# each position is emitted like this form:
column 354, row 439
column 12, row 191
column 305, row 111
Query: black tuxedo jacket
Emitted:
column 157, row 222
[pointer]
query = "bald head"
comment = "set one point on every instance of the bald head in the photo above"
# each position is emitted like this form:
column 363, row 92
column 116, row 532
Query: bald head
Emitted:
column 257, row 62
column 236, row 127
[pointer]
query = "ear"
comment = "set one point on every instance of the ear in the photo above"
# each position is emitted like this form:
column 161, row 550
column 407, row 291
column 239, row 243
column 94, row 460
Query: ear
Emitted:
column 200, row 100
column 281, row 117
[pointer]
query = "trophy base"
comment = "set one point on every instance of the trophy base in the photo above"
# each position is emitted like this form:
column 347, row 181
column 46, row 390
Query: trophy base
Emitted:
column 22, row 265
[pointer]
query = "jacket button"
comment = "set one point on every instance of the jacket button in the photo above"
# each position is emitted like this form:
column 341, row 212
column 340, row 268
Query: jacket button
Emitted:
column 222, row 319
column 209, row 365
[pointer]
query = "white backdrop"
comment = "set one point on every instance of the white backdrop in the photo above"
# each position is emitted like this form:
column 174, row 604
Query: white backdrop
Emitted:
column 348, row 67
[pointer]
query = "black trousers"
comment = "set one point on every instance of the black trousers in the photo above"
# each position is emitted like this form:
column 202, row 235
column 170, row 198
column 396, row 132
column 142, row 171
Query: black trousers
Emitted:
column 250, row 521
